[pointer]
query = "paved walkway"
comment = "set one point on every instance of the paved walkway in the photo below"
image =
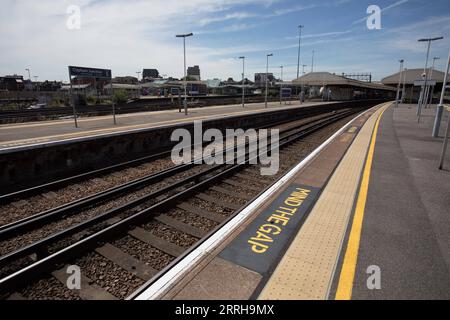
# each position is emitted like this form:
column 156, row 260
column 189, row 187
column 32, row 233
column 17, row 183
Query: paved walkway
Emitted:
column 406, row 229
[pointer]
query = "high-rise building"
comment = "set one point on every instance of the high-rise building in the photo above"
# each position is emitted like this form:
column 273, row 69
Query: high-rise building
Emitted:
column 149, row 74
column 194, row 72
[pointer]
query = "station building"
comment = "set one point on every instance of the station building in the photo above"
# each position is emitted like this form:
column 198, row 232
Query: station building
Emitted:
column 330, row 86
column 411, row 92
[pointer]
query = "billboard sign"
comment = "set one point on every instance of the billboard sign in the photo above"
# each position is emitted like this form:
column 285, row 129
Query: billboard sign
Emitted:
column 89, row 72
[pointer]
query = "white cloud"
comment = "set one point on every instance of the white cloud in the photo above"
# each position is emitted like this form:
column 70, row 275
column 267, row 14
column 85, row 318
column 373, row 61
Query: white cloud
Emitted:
column 297, row 8
column 123, row 35
column 230, row 16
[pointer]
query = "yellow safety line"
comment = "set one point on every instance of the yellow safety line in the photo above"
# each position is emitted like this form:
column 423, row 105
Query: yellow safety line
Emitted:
column 346, row 278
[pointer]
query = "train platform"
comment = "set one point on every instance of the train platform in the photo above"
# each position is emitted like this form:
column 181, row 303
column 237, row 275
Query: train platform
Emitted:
column 13, row 136
column 365, row 216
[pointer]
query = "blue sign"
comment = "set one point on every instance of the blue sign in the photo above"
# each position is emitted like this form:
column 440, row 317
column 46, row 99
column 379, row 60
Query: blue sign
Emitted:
column 286, row 92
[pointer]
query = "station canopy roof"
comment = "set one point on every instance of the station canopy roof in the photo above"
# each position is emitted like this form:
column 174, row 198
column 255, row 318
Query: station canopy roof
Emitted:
column 329, row 79
column 413, row 75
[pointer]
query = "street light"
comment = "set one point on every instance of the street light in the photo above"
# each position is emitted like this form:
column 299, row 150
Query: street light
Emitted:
column 404, row 85
column 419, row 105
column 138, row 74
column 440, row 107
column 399, row 82
column 300, row 27
column 243, row 77
column 267, row 75
column 184, row 36
column 281, row 84
column 429, row 87
column 312, row 61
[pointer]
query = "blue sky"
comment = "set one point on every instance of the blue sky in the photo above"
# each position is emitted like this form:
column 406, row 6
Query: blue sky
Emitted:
column 127, row 36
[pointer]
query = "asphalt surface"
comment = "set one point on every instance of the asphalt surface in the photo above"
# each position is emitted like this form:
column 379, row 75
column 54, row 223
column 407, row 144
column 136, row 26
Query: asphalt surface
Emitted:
column 406, row 225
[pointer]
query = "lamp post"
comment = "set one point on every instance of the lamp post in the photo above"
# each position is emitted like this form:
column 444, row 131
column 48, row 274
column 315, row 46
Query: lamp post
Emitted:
column 243, row 77
column 440, row 107
column 35, row 80
column 312, row 61
column 184, row 36
column 267, row 75
column 281, row 84
column 300, row 27
column 419, row 105
column 404, row 85
column 429, row 87
column 399, row 83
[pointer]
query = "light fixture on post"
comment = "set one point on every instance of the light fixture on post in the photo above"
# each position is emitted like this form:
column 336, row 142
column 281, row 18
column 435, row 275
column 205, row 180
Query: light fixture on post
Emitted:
column 184, row 36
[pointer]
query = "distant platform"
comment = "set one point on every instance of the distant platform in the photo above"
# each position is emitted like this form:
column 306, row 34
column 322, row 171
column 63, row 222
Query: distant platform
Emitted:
column 13, row 136
column 367, row 217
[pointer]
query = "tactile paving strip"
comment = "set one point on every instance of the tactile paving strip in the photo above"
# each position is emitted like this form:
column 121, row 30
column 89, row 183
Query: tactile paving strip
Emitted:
column 306, row 270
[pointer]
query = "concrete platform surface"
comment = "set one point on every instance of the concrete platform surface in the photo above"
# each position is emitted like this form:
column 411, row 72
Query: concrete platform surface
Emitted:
column 406, row 227
column 13, row 135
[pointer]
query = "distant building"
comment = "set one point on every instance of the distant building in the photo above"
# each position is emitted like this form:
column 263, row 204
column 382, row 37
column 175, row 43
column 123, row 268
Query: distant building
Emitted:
column 125, row 80
column 409, row 76
column 50, row 86
column 194, row 72
column 150, row 74
column 12, row 83
column 260, row 78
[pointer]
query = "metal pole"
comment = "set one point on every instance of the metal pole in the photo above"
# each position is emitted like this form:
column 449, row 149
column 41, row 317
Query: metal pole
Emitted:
column 429, row 87
column 243, row 77
column 71, row 101
column 112, row 101
column 399, row 83
column 421, row 100
column 267, row 77
column 281, row 84
column 422, row 94
column 444, row 145
column 312, row 62
column 404, row 85
column 185, row 76
column 299, row 45
column 440, row 107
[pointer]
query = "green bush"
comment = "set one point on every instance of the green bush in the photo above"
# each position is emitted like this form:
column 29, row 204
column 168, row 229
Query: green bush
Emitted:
column 120, row 96
column 91, row 99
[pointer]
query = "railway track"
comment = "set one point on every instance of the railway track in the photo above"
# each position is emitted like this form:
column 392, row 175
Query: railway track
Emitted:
column 121, row 237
